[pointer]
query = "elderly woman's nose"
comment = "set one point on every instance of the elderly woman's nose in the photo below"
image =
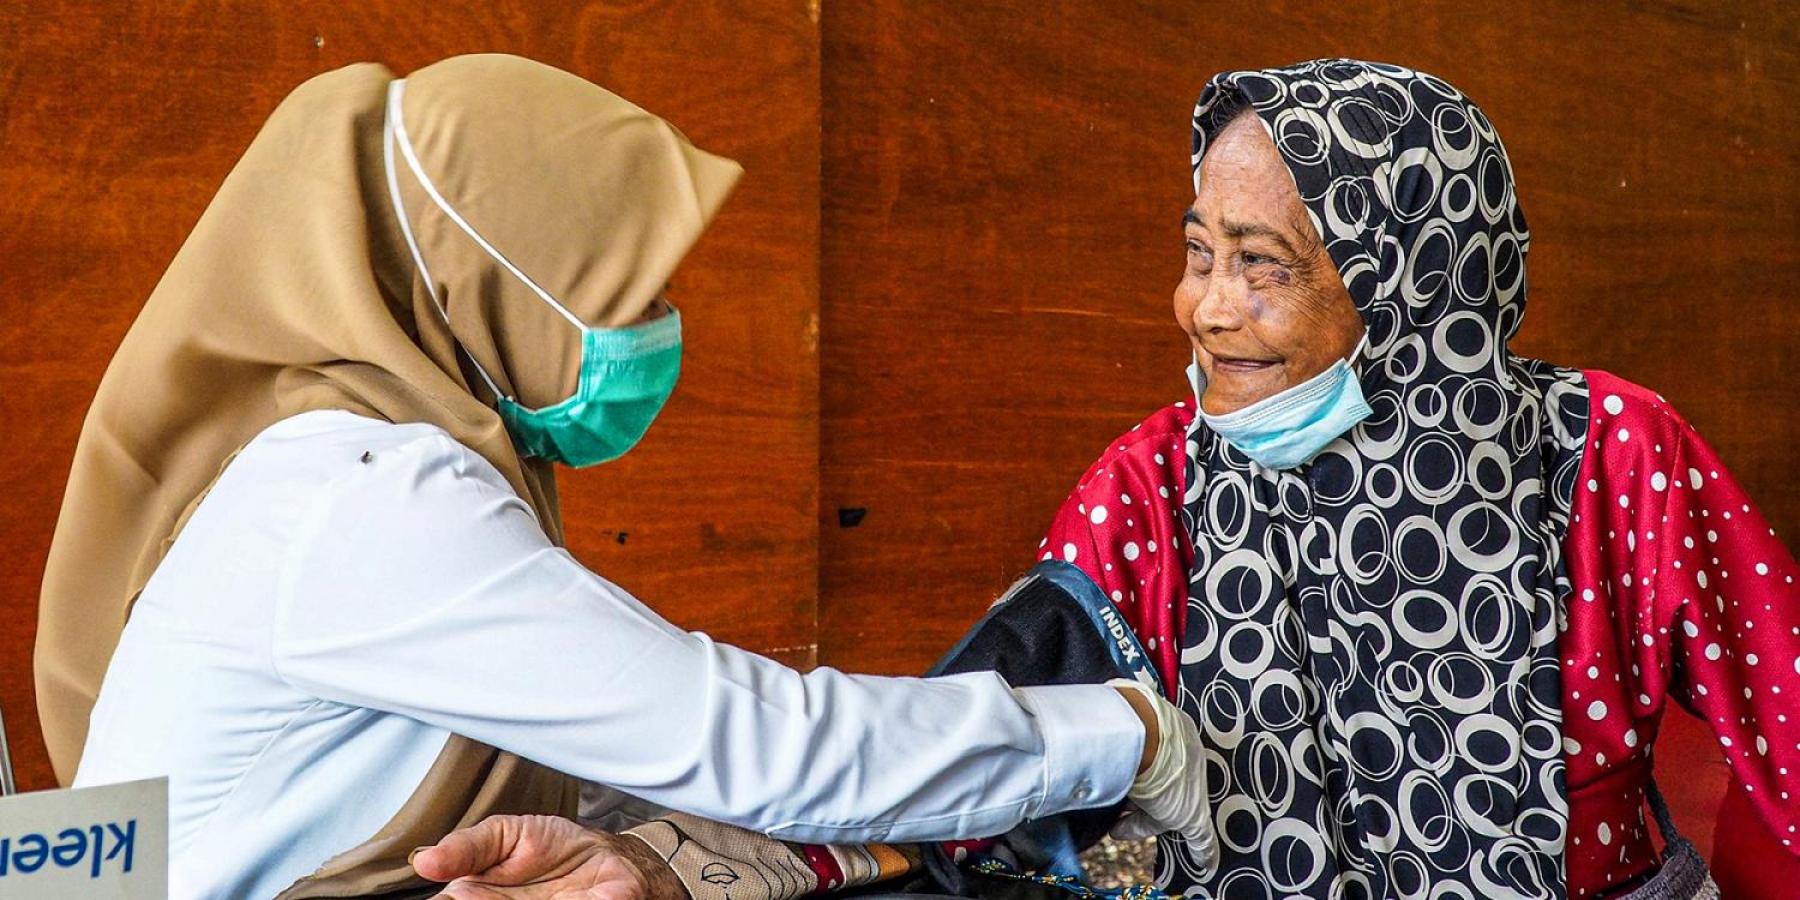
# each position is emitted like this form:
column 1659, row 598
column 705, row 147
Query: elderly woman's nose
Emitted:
column 1221, row 306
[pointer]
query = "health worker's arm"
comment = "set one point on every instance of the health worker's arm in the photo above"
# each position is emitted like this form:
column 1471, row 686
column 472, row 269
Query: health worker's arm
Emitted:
column 423, row 586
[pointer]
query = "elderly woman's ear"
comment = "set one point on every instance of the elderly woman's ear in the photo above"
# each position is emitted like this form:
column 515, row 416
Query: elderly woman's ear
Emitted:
column 1259, row 297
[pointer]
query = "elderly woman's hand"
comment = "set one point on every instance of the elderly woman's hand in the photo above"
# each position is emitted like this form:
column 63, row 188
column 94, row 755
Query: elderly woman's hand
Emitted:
column 529, row 857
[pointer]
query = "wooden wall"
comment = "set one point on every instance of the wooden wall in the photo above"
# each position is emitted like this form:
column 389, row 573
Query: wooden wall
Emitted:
column 944, row 283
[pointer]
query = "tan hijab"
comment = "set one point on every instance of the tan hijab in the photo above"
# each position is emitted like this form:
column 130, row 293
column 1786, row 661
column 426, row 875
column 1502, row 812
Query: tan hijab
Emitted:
column 296, row 292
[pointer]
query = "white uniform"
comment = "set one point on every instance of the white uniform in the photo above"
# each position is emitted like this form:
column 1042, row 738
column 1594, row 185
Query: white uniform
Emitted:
column 324, row 623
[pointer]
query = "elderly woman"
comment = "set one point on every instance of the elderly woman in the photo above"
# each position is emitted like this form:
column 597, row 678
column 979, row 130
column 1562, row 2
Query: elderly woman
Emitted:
column 1426, row 599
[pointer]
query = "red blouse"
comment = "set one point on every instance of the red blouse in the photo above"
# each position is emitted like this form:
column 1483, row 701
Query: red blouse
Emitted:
column 1680, row 592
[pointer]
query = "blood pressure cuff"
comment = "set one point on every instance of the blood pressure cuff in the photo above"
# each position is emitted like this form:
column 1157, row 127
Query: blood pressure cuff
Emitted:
column 1054, row 626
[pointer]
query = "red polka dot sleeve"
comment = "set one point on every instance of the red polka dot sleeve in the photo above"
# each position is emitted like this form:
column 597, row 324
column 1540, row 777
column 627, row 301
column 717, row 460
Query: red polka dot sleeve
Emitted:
column 1122, row 526
column 1681, row 592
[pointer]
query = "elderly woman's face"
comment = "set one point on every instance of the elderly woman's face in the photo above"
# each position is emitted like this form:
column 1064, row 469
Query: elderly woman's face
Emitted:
column 1260, row 298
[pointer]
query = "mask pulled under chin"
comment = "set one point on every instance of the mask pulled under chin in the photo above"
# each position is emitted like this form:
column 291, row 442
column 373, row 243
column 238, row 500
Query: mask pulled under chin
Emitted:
column 1288, row 429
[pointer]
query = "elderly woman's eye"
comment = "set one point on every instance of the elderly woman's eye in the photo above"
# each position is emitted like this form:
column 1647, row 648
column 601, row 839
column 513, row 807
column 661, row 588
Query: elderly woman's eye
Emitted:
column 1198, row 253
column 1265, row 268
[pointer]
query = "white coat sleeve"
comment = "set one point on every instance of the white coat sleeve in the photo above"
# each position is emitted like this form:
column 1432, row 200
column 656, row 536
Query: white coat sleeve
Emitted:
column 421, row 585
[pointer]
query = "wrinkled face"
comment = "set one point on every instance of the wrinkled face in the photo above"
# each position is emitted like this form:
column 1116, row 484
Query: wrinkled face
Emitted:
column 1260, row 298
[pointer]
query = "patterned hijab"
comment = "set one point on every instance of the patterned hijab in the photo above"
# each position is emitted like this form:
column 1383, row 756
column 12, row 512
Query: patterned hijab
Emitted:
column 1371, row 638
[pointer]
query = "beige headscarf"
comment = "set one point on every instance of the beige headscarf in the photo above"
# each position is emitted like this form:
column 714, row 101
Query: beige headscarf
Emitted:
column 296, row 292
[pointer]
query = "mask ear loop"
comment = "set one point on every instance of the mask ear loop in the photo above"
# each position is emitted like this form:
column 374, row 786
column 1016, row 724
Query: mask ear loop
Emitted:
column 389, row 137
column 395, row 91
column 1196, row 379
column 1359, row 360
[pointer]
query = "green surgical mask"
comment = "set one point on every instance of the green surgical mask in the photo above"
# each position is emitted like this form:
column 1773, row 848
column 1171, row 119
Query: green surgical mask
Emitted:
column 626, row 375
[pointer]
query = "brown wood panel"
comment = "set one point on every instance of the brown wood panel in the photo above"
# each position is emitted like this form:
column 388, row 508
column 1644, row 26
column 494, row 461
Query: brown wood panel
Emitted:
column 119, row 120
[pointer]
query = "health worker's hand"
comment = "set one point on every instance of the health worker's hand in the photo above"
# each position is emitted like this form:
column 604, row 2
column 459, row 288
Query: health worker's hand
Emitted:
column 1169, row 793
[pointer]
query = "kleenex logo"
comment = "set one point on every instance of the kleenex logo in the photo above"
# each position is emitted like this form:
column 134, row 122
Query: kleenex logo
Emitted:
column 94, row 845
column 98, row 843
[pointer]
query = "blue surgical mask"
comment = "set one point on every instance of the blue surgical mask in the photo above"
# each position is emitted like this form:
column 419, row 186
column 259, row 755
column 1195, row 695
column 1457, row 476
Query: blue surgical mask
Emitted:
column 626, row 376
column 1290, row 428
column 1196, row 379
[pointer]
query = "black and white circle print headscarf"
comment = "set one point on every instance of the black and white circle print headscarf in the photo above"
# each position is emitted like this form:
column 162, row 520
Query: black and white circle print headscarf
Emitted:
column 1371, row 638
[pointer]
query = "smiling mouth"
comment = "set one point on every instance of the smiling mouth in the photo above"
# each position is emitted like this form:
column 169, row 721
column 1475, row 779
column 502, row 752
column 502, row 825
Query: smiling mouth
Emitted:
column 1241, row 366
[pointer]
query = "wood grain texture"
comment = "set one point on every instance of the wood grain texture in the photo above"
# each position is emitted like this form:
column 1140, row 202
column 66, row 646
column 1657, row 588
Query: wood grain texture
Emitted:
column 119, row 120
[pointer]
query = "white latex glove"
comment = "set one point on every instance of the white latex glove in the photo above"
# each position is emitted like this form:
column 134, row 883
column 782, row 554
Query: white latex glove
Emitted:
column 1170, row 795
